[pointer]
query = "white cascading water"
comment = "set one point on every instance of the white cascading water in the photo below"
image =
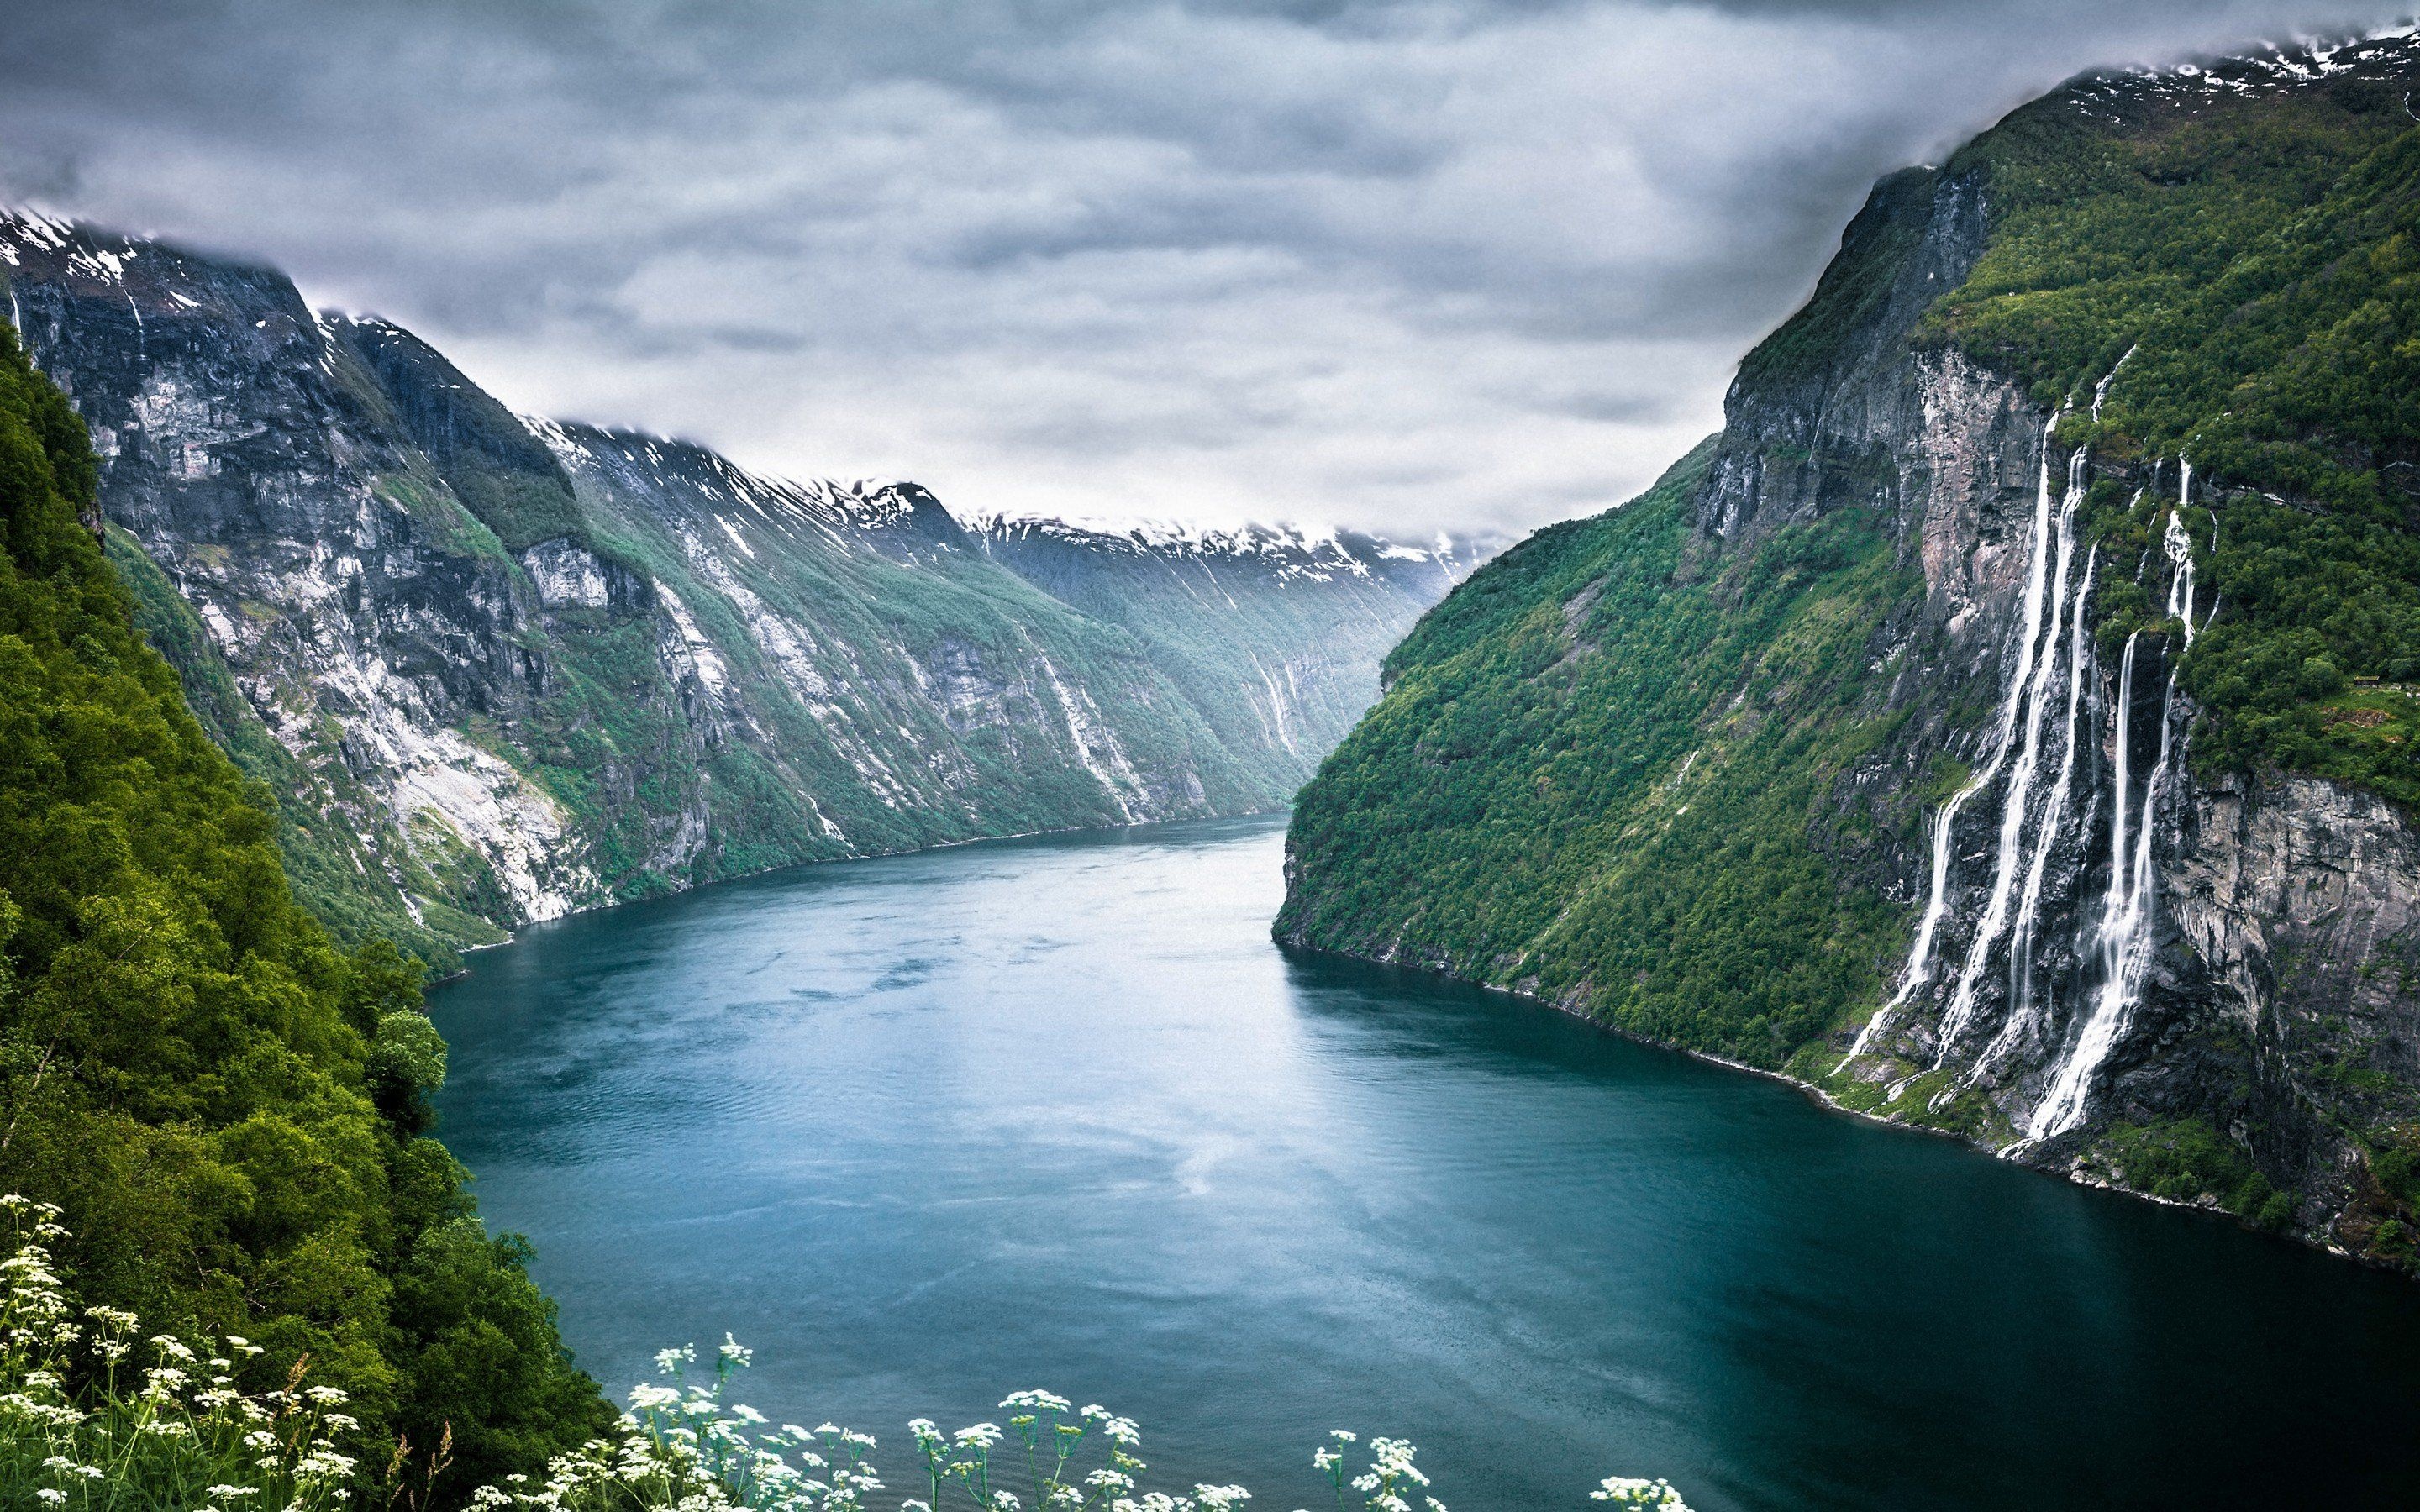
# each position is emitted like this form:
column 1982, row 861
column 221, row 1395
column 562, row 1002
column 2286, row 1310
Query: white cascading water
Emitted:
column 2054, row 823
column 2178, row 542
column 2014, row 808
column 2125, row 935
column 1919, row 960
column 2100, row 390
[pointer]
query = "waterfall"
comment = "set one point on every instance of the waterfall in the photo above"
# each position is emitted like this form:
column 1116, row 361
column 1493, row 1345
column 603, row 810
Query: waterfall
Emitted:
column 2100, row 390
column 2125, row 933
column 2021, row 961
column 2014, row 807
column 1919, row 959
column 2179, row 543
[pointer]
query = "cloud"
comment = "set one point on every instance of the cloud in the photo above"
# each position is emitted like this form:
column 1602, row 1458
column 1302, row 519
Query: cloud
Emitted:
column 1404, row 265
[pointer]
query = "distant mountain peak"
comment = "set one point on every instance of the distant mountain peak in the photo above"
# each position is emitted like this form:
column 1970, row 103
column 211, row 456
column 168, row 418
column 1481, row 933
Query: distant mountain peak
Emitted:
column 2386, row 54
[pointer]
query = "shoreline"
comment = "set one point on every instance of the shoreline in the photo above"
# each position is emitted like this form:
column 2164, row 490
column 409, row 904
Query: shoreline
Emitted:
column 1829, row 1103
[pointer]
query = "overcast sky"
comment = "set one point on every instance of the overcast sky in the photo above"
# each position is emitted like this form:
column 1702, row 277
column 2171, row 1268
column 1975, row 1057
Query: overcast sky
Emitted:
column 1402, row 266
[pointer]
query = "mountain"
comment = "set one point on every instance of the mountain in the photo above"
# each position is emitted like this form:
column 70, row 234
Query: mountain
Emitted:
column 231, row 1114
column 1296, row 625
column 496, row 669
column 2008, row 723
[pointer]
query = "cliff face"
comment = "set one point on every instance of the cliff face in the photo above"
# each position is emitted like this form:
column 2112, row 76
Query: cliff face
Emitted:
column 1942, row 827
column 495, row 668
column 1276, row 635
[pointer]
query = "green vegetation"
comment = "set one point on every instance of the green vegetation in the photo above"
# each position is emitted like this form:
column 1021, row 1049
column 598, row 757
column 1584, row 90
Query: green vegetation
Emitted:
column 1596, row 771
column 2185, row 1160
column 2259, row 258
column 2386, row 1225
column 230, row 1113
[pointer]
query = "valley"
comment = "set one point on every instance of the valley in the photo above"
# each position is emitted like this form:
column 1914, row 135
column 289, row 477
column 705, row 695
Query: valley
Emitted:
column 493, row 902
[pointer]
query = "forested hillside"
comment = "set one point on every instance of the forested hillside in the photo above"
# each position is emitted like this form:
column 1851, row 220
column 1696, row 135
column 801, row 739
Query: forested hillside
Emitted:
column 232, row 1113
column 2007, row 722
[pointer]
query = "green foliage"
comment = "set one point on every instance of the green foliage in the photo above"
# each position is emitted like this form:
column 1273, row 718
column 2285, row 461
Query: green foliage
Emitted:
column 184, row 1055
column 1596, row 771
column 404, row 1067
column 198, row 1423
column 2388, row 1213
column 2256, row 263
column 2185, row 1160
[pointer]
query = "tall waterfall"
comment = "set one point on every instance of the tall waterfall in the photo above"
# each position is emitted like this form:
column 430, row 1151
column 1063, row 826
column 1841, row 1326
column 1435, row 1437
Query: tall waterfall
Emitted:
column 2052, row 644
column 1919, row 960
column 2014, row 807
column 2021, row 955
column 2124, row 938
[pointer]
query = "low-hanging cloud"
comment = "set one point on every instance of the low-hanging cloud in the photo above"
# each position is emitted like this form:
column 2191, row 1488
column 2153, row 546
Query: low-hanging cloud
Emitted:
column 1468, row 263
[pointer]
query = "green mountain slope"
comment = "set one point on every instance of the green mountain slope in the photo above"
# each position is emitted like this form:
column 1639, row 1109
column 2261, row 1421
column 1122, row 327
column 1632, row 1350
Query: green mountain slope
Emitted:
column 232, row 1114
column 1519, row 807
column 2250, row 259
column 2068, row 818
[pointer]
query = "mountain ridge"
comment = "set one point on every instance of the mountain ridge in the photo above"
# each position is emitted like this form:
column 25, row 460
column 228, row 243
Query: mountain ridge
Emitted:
column 498, row 669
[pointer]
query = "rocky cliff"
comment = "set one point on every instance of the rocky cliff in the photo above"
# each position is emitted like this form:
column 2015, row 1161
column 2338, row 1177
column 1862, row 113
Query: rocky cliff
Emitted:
column 495, row 668
column 2006, row 724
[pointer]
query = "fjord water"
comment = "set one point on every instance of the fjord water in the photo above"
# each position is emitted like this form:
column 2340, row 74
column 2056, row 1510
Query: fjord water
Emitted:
column 1054, row 1113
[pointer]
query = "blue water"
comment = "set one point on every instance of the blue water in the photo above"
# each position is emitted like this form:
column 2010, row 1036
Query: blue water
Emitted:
column 1055, row 1113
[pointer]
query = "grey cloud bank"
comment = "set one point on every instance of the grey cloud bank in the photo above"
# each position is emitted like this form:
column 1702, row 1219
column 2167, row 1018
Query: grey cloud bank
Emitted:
column 1407, row 266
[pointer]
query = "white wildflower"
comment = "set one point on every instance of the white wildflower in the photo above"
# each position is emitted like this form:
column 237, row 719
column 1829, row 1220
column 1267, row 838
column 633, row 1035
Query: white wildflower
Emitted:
column 1641, row 1494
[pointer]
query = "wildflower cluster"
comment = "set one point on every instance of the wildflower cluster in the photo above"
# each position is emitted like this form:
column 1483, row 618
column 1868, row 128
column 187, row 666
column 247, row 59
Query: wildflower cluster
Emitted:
column 1639, row 1495
column 1387, row 1486
column 689, row 1451
column 1052, row 1431
column 164, row 1423
column 684, row 1446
